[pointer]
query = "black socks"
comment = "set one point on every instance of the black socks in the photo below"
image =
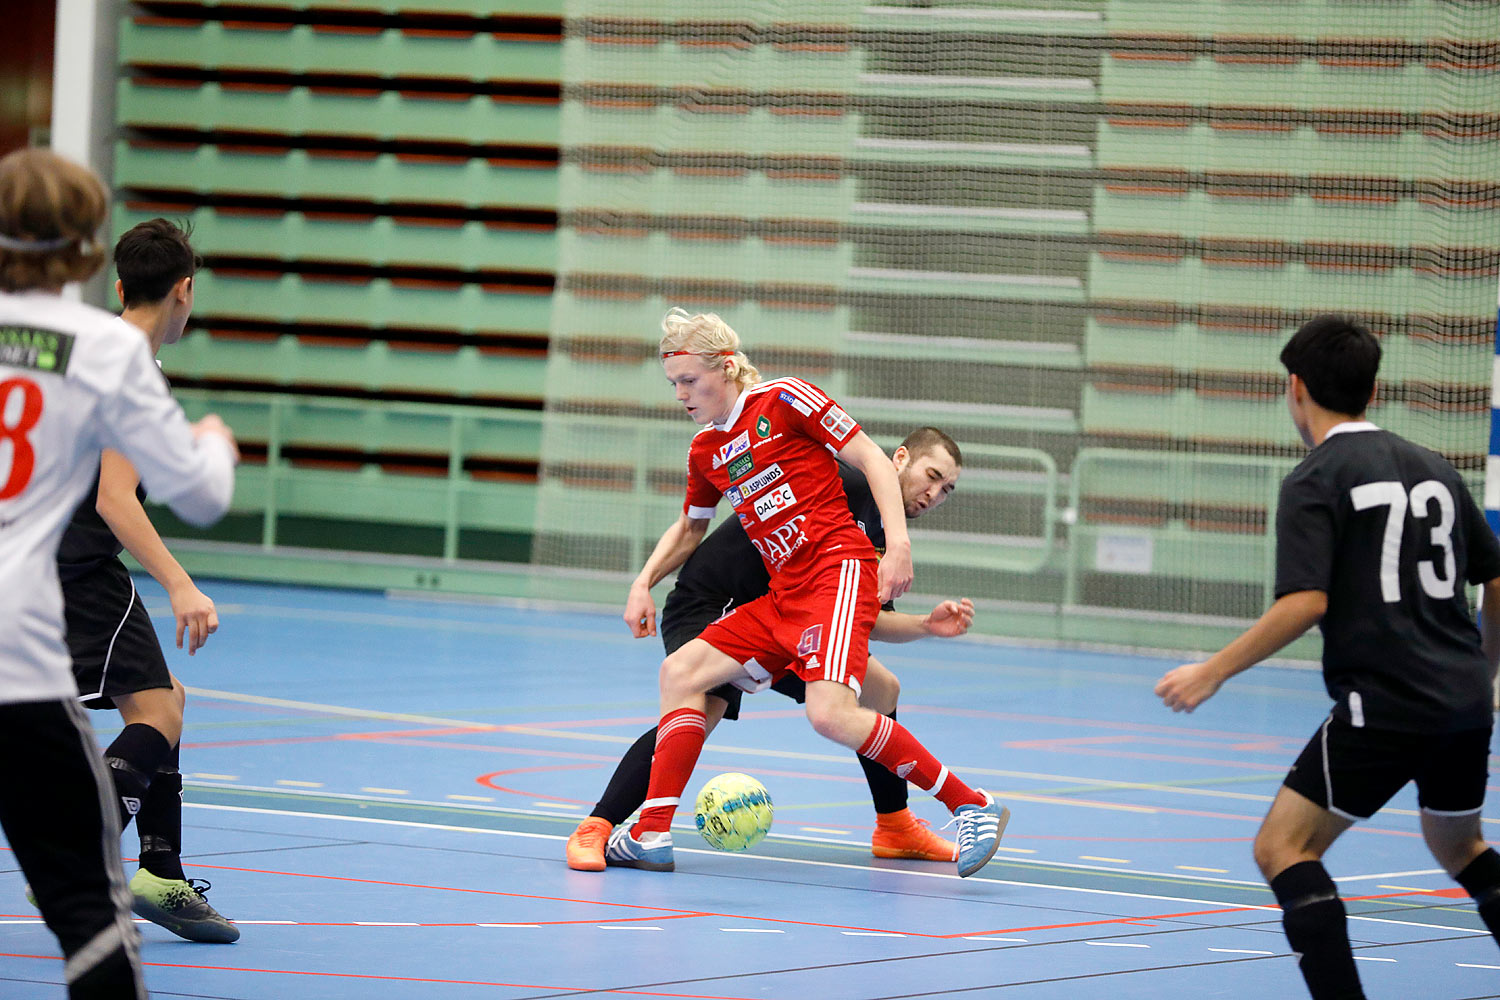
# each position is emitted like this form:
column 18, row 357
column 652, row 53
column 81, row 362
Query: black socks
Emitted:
column 1317, row 928
column 133, row 759
column 1481, row 879
column 160, row 821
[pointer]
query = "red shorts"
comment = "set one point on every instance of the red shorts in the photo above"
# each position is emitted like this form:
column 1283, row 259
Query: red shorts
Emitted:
column 820, row 631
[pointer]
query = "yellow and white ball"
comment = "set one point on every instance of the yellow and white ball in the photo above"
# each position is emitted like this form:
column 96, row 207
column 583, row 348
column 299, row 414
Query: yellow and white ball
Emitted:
column 733, row 812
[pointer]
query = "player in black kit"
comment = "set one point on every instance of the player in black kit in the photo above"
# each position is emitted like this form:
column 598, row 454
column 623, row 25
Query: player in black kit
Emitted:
column 117, row 659
column 1375, row 539
column 725, row 571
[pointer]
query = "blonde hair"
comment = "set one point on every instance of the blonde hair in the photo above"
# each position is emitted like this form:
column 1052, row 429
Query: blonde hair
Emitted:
column 710, row 338
column 57, row 205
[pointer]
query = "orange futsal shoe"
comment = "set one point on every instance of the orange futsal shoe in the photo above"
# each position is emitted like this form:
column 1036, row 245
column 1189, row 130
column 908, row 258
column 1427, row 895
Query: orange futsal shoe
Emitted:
column 902, row 835
column 586, row 846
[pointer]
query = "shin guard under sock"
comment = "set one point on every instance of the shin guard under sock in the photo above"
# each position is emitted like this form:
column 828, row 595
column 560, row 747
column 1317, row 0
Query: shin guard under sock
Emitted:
column 132, row 759
column 160, row 822
column 891, row 746
column 887, row 791
column 1481, row 879
column 1317, row 929
column 679, row 741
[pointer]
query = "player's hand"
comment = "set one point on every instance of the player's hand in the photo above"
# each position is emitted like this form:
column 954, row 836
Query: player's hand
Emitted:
column 195, row 616
column 211, row 425
column 895, row 574
column 1184, row 688
column 640, row 612
column 951, row 618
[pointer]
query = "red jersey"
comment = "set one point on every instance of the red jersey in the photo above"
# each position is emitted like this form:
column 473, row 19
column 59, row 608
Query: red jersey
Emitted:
column 773, row 460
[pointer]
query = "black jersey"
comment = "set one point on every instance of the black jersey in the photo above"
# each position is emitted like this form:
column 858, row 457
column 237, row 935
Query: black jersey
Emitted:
column 1390, row 533
column 726, row 570
column 88, row 542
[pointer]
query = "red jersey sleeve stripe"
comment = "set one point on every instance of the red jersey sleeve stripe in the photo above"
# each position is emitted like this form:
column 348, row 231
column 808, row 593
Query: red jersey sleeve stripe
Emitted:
column 807, row 393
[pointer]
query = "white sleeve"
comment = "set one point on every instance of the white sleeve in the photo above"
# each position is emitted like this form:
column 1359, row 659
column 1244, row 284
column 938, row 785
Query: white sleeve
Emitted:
column 142, row 421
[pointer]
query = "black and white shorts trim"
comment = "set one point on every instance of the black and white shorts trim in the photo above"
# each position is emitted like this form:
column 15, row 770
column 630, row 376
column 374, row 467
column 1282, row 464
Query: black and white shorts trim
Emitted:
column 114, row 646
column 1353, row 771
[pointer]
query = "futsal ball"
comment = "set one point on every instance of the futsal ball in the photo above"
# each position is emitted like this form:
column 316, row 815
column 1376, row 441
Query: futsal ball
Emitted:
column 733, row 812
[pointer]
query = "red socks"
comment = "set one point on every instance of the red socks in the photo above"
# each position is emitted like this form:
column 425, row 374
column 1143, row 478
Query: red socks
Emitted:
column 891, row 746
column 679, row 741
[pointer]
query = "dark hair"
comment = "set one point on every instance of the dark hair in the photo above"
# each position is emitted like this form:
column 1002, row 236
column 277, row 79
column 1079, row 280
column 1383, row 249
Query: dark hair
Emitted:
column 924, row 440
column 45, row 199
column 152, row 257
column 1337, row 358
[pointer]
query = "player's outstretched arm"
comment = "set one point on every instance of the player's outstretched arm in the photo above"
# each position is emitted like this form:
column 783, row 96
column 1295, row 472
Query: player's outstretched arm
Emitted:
column 672, row 550
column 1190, row 685
column 947, row 619
column 895, row 574
column 122, row 511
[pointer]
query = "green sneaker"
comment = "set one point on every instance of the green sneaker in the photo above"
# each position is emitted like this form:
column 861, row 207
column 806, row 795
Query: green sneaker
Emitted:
column 180, row 908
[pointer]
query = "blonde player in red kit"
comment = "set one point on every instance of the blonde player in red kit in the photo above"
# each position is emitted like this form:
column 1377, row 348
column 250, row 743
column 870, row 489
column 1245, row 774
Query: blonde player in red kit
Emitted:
column 768, row 448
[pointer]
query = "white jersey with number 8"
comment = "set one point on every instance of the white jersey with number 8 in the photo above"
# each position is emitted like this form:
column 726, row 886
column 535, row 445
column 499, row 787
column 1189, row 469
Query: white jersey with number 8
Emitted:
column 75, row 379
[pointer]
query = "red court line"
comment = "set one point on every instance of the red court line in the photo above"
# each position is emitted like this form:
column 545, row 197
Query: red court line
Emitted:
column 409, row 979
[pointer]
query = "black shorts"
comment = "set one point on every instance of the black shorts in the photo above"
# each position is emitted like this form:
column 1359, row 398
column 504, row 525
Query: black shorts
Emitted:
column 1353, row 771
column 114, row 647
column 681, row 622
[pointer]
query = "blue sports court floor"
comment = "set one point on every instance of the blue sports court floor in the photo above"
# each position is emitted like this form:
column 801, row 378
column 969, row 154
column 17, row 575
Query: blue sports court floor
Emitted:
column 379, row 790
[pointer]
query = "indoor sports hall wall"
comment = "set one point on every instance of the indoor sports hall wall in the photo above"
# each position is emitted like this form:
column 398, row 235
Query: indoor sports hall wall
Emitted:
column 1074, row 235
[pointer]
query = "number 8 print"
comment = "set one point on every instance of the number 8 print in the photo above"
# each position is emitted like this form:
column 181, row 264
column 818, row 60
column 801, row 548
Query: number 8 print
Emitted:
column 16, row 421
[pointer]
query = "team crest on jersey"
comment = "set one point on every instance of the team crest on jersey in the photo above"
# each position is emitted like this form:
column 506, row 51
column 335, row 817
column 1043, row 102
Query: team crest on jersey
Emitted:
column 811, row 641
column 733, row 448
column 38, row 350
column 763, row 426
column 796, row 403
column 740, row 466
column 837, row 423
column 772, row 504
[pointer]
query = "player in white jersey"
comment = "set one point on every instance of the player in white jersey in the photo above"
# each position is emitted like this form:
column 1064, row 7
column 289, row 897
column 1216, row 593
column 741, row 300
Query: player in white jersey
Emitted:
column 73, row 379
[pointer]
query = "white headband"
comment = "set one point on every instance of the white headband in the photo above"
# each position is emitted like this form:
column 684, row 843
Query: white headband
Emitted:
column 33, row 246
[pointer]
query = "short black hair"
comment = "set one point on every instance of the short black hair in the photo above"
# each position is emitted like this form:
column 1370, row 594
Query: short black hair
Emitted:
column 927, row 439
column 1337, row 358
column 152, row 257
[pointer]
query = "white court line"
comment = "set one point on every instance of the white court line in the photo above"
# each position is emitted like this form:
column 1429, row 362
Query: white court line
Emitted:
column 1367, row 958
column 508, row 925
column 1366, row 878
column 1469, row 965
column 1240, row 951
column 626, row 927
column 751, row 930
column 836, row 865
column 1115, row 944
column 384, row 923
column 1002, row 940
column 870, row 934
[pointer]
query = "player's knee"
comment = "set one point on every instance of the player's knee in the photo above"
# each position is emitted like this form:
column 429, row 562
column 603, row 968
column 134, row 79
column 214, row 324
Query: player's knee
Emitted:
column 1455, row 854
column 1272, row 854
column 831, row 720
column 675, row 677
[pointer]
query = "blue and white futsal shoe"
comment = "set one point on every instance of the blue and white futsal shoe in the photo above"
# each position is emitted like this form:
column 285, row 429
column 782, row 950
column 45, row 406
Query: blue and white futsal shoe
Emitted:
column 624, row 851
column 979, row 832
